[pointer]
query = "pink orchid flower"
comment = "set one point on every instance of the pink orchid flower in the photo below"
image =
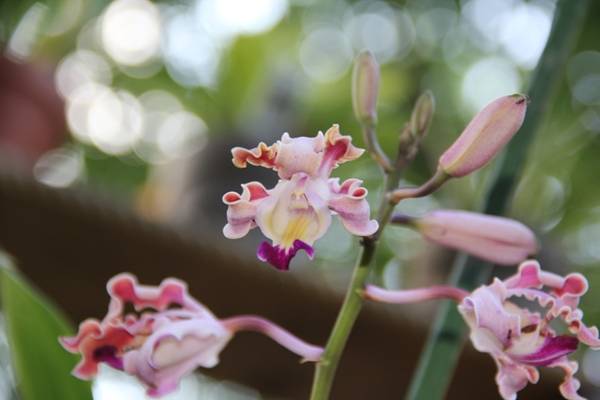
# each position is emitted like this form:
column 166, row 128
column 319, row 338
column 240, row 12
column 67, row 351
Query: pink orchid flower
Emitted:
column 518, row 339
column 161, row 346
column 297, row 211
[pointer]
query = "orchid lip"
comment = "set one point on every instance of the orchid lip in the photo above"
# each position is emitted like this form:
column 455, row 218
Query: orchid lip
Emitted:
column 553, row 349
column 280, row 257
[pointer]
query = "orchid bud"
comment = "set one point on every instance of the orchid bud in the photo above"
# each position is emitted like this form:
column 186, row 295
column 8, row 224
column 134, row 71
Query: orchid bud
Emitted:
column 496, row 239
column 365, row 87
column 485, row 135
column 422, row 114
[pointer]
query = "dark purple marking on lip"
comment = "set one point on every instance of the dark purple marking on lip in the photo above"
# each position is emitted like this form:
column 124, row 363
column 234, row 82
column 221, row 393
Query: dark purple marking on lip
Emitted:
column 552, row 349
column 280, row 257
column 108, row 355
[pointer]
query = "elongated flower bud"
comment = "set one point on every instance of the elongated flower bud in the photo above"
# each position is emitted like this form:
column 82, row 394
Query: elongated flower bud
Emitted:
column 422, row 114
column 496, row 239
column 485, row 135
column 365, row 87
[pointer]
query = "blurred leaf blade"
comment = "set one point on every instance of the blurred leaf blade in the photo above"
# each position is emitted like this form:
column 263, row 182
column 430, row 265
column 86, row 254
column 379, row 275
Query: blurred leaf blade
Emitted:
column 42, row 366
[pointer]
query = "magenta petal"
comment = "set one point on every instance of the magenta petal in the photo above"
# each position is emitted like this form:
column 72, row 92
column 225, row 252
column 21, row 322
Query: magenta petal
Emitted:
column 280, row 257
column 552, row 349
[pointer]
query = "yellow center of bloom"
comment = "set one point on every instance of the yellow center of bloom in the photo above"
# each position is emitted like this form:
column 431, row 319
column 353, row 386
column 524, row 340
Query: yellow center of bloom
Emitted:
column 296, row 229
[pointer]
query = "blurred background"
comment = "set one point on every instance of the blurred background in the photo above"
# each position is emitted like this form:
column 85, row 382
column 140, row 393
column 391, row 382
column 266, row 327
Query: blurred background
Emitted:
column 116, row 121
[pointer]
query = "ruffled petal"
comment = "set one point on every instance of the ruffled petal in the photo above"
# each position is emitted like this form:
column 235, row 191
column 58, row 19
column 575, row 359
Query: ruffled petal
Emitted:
column 512, row 378
column 569, row 386
column 97, row 343
column 348, row 200
column 338, row 149
column 262, row 155
column 486, row 307
column 530, row 275
column 124, row 288
column 176, row 349
column 241, row 211
column 299, row 155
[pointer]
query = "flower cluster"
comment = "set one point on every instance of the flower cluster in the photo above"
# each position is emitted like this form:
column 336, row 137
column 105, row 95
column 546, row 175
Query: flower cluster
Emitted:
column 179, row 334
column 161, row 346
column 297, row 211
column 519, row 338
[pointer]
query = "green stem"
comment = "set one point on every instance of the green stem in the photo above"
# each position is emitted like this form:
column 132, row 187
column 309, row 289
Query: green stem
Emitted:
column 374, row 148
column 444, row 343
column 327, row 366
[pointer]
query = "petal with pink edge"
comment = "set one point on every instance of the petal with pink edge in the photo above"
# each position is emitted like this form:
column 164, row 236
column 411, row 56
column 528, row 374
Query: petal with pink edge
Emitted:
column 348, row 200
column 338, row 149
column 176, row 349
column 262, row 155
column 241, row 211
column 486, row 307
column 512, row 378
column 569, row 386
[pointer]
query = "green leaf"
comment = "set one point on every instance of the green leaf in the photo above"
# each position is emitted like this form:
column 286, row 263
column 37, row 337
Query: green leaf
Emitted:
column 42, row 367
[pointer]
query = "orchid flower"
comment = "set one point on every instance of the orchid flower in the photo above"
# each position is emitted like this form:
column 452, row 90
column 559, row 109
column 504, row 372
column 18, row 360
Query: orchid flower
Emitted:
column 161, row 346
column 518, row 339
column 297, row 211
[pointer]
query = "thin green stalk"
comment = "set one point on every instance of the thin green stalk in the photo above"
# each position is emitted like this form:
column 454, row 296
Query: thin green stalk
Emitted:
column 327, row 366
column 409, row 140
column 444, row 344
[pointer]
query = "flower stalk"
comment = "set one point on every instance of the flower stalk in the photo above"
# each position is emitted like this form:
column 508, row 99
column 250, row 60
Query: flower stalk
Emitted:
column 353, row 301
column 434, row 183
column 254, row 323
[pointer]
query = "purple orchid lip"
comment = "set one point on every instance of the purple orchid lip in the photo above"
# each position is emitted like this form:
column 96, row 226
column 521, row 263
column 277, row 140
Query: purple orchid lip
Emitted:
column 552, row 349
column 108, row 355
column 280, row 257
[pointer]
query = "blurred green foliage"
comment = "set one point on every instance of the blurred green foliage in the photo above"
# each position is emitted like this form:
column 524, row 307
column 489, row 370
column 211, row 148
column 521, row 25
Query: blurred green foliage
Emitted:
column 42, row 367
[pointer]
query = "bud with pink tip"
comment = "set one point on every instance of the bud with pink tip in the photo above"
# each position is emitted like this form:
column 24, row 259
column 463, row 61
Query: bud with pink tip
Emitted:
column 485, row 135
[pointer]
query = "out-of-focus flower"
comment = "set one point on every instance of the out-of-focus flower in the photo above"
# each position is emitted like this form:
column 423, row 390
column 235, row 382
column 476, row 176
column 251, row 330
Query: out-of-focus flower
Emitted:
column 485, row 136
column 297, row 211
column 518, row 338
column 163, row 345
column 496, row 239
